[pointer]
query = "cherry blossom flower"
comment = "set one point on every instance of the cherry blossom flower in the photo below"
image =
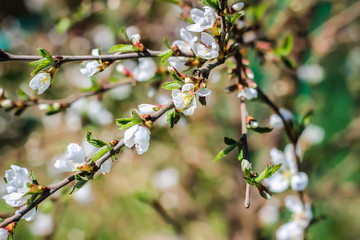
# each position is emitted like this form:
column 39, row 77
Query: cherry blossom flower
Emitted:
column 275, row 120
column 178, row 63
column 207, row 48
column 269, row 213
column 17, row 179
column 139, row 136
column 290, row 231
column 184, row 99
column 85, row 194
column 90, row 68
column 237, row 6
column 187, row 43
column 145, row 70
column 312, row 134
column 248, row 93
column 301, row 214
column 30, row 215
column 202, row 19
column 75, row 157
column 43, row 225
column 148, row 108
column 40, row 82
column 3, row 234
column 287, row 175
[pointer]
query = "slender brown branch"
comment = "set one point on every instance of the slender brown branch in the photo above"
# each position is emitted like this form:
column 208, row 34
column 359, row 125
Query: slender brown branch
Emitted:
column 167, row 218
column 55, row 187
column 6, row 57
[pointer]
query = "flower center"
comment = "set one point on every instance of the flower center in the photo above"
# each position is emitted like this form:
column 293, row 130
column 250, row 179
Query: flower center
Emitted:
column 44, row 80
column 187, row 98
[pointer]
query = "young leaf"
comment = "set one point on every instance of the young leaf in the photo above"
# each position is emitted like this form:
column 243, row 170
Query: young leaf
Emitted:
column 172, row 85
column 175, row 76
column 286, row 46
column 123, row 31
column 289, row 62
column 240, row 154
column 229, row 141
column 79, row 184
column 261, row 129
column 33, row 178
column 166, row 42
column 123, row 48
column 45, row 54
column 165, row 53
column 224, row 152
column 41, row 64
column 268, row 172
column 93, row 141
column 99, row 153
column 173, row 116
column 133, row 122
column 264, row 191
column 249, row 180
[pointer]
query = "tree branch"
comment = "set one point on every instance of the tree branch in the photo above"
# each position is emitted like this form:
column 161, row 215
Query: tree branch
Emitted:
column 55, row 187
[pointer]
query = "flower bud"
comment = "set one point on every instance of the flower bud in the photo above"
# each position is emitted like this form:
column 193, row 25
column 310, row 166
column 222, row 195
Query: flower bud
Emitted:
column 43, row 106
column 254, row 124
column 236, row 7
column 56, row 106
column 246, row 165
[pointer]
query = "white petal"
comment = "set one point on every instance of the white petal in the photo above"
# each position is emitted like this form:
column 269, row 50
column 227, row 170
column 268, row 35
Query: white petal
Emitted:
column 293, row 203
column 129, row 136
column 203, row 92
column 75, row 153
column 30, row 215
column 16, row 199
column 207, row 39
column 141, row 135
column 313, row 134
column 3, row 234
column 147, row 108
column 190, row 110
column 145, row 70
column 196, row 15
column 299, row 181
column 187, row 87
column 143, row 147
column 276, row 122
column 277, row 157
column 277, row 183
column 64, row 165
column 185, row 35
column 194, row 28
column 105, row 167
column 209, row 18
column 290, row 231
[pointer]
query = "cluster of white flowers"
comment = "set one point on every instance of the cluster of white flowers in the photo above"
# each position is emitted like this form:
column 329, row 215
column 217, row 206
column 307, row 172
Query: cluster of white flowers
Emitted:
column 287, row 175
column 142, row 72
column 17, row 180
column 75, row 158
column 184, row 99
column 301, row 217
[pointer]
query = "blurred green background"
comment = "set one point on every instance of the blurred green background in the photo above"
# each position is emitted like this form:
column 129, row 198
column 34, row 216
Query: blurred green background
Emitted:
column 203, row 198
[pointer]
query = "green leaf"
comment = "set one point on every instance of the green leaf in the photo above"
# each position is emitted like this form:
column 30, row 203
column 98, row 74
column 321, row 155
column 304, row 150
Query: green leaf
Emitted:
column 78, row 185
column 305, row 121
column 289, row 62
column 261, row 129
column 176, row 77
column 172, row 85
column 123, row 48
column 240, row 154
column 264, row 191
column 45, row 54
column 41, row 64
column 63, row 25
column 93, row 141
column 123, row 121
column 123, row 31
column 268, row 172
column 129, row 124
column 215, row 4
column 33, row 178
column 166, row 42
column 136, row 116
column 286, row 46
column 235, row 17
column 165, row 53
column 249, row 180
column 99, row 153
column 229, row 141
column 224, row 152
column 173, row 116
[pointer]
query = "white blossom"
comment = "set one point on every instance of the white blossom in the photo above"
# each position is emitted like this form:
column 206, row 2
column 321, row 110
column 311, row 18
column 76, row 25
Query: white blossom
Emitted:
column 84, row 195
column 105, row 167
column 301, row 214
column 287, row 175
column 16, row 186
column 139, row 136
column 90, row 68
column 187, row 43
column 7, row 103
column 184, row 99
column 207, row 48
column 276, row 121
column 245, row 164
column 178, row 63
column 135, row 37
column 313, row 134
column 40, row 82
column 3, row 234
column 145, row 70
column 43, row 225
column 269, row 213
column 30, row 215
column 290, row 231
column 248, row 93
column 202, row 19
column 310, row 73
column 75, row 157
column 147, row 108
column 237, row 6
